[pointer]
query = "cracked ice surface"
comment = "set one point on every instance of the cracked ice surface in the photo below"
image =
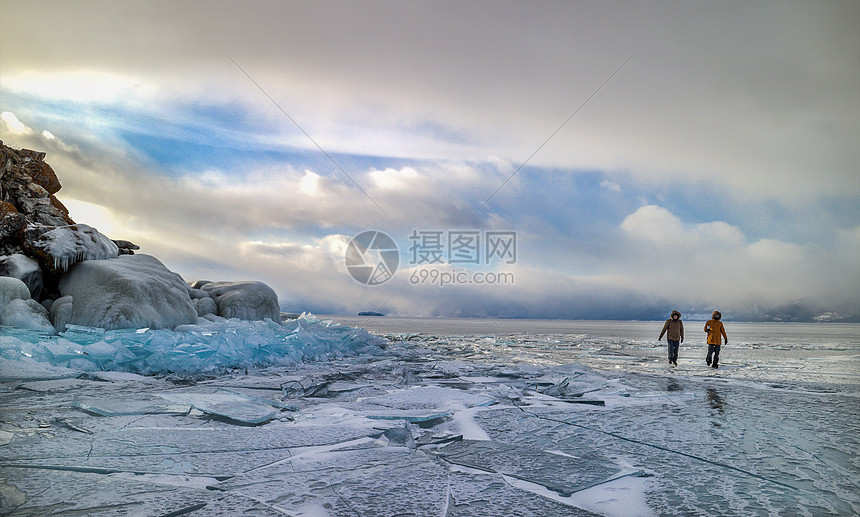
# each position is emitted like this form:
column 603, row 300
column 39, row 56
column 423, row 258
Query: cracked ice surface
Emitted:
column 421, row 427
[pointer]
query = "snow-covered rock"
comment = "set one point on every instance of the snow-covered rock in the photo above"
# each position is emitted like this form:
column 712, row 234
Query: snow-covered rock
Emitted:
column 248, row 300
column 67, row 245
column 198, row 293
column 25, row 269
column 205, row 306
column 12, row 289
column 60, row 312
column 26, row 314
column 130, row 291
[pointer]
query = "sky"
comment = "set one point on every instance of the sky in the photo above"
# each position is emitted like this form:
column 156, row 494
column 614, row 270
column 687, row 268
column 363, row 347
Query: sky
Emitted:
column 645, row 156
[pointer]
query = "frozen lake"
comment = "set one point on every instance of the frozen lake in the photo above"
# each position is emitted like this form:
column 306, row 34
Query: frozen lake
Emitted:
column 798, row 352
column 441, row 418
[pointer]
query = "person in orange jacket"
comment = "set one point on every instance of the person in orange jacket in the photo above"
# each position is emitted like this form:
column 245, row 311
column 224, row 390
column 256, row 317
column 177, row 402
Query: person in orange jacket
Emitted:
column 716, row 333
column 675, row 328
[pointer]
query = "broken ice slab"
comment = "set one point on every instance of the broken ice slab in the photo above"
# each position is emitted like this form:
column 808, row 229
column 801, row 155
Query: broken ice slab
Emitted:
column 126, row 406
column 235, row 408
column 589, row 402
column 53, row 385
column 116, row 377
column 306, row 387
column 347, row 479
column 215, row 346
column 6, row 437
column 261, row 400
column 81, row 329
column 560, row 473
column 432, row 439
column 315, row 388
column 475, row 495
column 72, row 425
column 400, row 436
column 414, row 416
column 26, row 368
column 429, row 397
column 563, row 392
column 82, row 335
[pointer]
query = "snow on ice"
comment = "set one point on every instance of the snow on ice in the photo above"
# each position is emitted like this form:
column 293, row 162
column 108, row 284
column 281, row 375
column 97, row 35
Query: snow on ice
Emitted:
column 314, row 418
column 327, row 417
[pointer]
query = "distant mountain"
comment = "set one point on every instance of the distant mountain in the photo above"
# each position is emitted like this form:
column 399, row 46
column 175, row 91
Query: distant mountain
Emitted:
column 807, row 312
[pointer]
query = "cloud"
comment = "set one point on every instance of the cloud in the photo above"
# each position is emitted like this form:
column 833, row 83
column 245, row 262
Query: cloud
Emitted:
column 657, row 225
column 652, row 223
column 715, row 262
column 12, row 124
column 737, row 135
column 289, row 227
column 610, row 185
column 752, row 103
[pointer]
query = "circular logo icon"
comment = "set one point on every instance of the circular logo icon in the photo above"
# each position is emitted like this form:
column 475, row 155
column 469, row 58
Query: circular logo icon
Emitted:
column 371, row 257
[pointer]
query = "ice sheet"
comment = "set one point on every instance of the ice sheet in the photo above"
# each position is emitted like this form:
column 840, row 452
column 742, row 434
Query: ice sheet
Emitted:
column 230, row 406
column 505, row 441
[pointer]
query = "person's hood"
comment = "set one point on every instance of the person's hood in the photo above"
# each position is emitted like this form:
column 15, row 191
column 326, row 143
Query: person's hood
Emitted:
column 716, row 315
column 674, row 313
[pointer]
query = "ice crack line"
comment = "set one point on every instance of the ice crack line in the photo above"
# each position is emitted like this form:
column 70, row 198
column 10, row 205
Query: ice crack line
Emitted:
column 660, row 447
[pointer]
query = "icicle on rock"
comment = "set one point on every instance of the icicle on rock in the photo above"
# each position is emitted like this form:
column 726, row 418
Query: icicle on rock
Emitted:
column 68, row 245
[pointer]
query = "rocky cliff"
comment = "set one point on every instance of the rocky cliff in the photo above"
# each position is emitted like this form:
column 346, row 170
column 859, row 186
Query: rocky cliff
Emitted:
column 27, row 188
column 55, row 272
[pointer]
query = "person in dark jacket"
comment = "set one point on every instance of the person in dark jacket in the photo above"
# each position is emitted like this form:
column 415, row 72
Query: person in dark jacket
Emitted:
column 674, row 330
column 716, row 333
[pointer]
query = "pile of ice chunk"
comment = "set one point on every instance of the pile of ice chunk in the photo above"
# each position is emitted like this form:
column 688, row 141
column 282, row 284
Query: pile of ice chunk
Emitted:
column 210, row 346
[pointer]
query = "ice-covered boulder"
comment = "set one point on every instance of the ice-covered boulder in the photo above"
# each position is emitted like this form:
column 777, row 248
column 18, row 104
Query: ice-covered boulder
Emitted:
column 26, row 314
column 12, row 289
column 130, row 291
column 205, row 306
column 248, row 300
column 198, row 293
column 25, row 269
column 64, row 246
column 60, row 312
